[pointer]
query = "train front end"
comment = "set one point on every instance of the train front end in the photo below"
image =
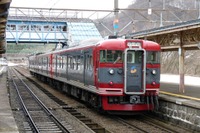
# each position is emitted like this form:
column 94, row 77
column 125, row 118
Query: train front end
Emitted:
column 133, row 83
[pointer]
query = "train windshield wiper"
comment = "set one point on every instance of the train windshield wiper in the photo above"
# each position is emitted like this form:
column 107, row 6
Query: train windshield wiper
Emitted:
column 118, row 59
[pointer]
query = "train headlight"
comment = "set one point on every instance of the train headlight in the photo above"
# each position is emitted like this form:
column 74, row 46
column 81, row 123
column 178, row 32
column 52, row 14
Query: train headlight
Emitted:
column 111, row 71
column 153, row 72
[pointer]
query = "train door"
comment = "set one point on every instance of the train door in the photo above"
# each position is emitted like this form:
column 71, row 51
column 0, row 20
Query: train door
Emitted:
column 88, row 69
column 135, row 71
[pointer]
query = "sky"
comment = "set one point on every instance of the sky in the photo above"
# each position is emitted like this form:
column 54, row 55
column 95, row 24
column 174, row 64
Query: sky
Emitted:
column 72, row 4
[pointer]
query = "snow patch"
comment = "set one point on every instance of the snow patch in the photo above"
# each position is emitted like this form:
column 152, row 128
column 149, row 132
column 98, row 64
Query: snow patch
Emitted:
column 189, row 80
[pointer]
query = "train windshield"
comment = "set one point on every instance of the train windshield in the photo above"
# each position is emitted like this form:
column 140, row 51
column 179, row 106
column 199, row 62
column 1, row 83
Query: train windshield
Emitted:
column 111, row 56
column 153, row 57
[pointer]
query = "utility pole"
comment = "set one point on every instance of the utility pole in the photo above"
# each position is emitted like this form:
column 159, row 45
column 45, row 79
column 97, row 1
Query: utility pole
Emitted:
column 161, row 14
column 116, row 20
column 199, row 8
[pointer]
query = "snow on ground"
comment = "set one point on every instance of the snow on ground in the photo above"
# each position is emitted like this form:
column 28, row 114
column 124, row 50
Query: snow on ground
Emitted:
column 12, row 64
column 189, row 80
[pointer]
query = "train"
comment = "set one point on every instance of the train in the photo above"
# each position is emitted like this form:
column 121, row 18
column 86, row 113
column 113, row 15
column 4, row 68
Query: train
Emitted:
column 111, row 75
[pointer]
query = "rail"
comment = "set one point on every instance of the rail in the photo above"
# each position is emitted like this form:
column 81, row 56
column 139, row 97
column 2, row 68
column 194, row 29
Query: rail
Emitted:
column 21, row 86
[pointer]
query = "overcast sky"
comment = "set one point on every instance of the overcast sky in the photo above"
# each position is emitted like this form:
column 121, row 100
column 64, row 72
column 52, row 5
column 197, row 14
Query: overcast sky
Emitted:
column 73, row 4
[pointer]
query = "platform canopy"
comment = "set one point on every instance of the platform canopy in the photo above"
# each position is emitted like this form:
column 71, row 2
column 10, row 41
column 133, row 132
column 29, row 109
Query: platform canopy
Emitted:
column 4, row 6
column 79, row 31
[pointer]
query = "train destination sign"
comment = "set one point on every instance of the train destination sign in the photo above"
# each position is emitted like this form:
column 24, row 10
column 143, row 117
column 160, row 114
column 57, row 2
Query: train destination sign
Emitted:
column 134, row 44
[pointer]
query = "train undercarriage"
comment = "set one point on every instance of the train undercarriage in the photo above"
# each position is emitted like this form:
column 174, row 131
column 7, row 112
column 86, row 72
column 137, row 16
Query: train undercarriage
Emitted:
column 129, row 104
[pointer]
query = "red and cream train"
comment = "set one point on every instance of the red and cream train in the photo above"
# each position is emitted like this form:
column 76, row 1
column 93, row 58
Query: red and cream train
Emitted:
column 111, row 75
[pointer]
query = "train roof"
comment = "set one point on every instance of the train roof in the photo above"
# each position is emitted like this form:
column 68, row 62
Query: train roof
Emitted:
column 108, row 44
column 119, row 44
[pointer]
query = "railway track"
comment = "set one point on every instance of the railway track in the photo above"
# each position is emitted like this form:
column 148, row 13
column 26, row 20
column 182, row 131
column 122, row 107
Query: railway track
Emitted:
column 39, row 117
column 85, row 120
column 141, row 124
column 146, row 124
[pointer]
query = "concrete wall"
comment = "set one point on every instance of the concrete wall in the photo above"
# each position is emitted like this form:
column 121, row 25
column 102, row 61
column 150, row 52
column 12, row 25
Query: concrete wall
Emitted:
column 183, row 112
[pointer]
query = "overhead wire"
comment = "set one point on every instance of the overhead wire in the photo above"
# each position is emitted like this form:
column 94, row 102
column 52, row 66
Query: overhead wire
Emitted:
column 54, row 4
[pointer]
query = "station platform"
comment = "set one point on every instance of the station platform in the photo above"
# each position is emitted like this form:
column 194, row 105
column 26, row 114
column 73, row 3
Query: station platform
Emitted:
column 7, row 121
column 169, row 90
column 170, row 86
column 180, row 108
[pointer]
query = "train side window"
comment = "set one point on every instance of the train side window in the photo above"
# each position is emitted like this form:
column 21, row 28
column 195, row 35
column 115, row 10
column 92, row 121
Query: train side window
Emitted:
column 67, row 62
column 90, row 62
column 43, row 61
column 54, row 62
column 61, row 61
column 71, row 63
column 64, row 62
column 40, row 61
column 153, row 57
column 82, row 60
column 87, row 62
column 58, row 61
column 74, row 63
column 49, row 63
column 78, row 62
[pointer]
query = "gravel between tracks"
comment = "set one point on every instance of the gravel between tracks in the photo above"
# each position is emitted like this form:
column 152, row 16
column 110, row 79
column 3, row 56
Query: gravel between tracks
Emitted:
column 61, row 114
column 105, row 121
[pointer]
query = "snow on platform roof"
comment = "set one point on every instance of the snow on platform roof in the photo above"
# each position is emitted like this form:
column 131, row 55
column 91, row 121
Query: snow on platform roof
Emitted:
column 81, row 31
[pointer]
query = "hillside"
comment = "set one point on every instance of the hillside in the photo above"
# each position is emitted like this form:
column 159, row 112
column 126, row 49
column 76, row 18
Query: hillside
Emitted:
column 173, row 11
column 136, row 17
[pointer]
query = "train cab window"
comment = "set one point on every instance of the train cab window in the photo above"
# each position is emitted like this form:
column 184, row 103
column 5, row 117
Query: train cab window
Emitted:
column 111, row 56
column 102, row 56
column 153, row 57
